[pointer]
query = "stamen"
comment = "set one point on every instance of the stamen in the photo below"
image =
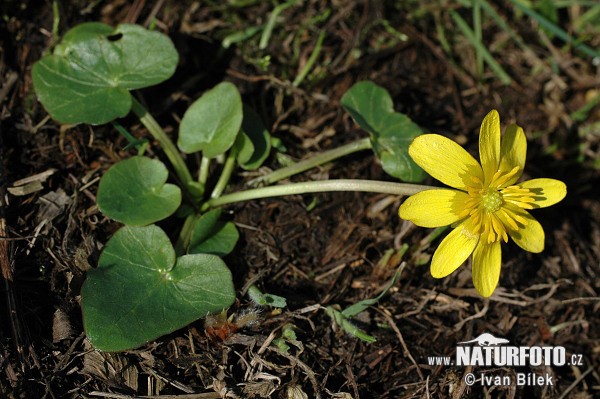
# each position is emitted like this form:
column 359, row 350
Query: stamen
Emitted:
column 498, row 183
column 499, row 227
column 509, row 219
column 494, row 178
column 520, row 204
column 515, row 190
column 527, row 199
column 486, row 230
column 516, row 217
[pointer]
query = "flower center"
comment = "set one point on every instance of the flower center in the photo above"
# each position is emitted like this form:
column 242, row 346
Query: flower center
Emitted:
column 494, row 209
column 491, row 200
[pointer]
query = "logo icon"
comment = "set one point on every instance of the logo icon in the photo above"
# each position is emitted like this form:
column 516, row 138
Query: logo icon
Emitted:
column 486, row 339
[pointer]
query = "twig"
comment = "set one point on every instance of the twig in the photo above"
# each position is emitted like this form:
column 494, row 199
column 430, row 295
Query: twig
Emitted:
column 477, row 315
column 390, row 320
column 10, row 81
column 583, row 298
column 310, row 374
column 577, row 381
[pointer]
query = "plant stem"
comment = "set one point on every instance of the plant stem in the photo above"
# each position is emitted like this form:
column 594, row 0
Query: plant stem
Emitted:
column 320, row 159
column 183, row 241
column 225, row 174
column 203, row 172
column 167, row 145
column 372, row 186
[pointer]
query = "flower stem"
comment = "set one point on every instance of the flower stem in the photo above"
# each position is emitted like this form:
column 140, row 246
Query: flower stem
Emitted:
column 319, row 159
column 167, row 145
column 320, row 186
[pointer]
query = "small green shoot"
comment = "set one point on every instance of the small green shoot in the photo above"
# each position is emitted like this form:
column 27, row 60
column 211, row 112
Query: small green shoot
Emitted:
column 310, row 62
column 268, row 29
column 266, row 299
column 138, row 144
column 343, row 318
column 288, row 335
column 482, row 51
column 560, row 33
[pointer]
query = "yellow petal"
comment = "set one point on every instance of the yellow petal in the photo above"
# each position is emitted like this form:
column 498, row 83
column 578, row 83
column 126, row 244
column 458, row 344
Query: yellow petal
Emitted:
column 453, row 251
column 513, row 152
column 489, row 145
column 434, row 208
column 546, row 192
column 530, row 234
column 445, row 160
column 487, row 260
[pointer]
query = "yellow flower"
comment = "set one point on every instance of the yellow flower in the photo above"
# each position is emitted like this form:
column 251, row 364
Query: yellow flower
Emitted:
column 487, row 206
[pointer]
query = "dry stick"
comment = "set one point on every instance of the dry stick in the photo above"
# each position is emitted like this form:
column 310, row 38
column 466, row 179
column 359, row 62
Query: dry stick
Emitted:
column 169, row 381
column 459, row 393
column 583, row 298
column 352, row 381
column 7, row 265
column 303, row 366
column 61, row 365
column 155, row 9
column 477, row 315
column 577, row 381
column 8, row 370
column 399, row 334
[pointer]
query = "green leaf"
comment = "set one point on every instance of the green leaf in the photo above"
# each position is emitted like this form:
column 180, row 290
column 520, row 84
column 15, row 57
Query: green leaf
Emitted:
column 391, row 132
column 212, row 122
column 139, row 291
column 244, row 148
column 259, row 136
column 347, row 325
column 212, row 236
column 88, row 77
column 266, row 298
column 134, row 192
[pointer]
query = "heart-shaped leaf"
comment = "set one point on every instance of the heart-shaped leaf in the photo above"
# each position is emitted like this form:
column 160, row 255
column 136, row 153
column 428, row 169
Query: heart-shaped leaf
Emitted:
column 391, row 132
column 139, row 291
column 212, row 122
column 134, row 192
column 88, row 77
column 213, row 236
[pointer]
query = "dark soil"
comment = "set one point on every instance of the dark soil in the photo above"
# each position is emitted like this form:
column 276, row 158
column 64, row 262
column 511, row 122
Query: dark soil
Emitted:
column 330, row 255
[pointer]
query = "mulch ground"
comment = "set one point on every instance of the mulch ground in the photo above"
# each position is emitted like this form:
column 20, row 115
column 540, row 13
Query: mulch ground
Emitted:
column 332, row 254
